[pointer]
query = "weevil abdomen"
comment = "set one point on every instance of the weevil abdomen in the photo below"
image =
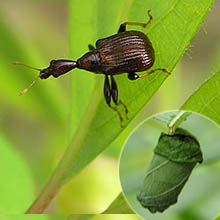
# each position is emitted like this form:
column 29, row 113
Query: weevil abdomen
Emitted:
column 129, row 51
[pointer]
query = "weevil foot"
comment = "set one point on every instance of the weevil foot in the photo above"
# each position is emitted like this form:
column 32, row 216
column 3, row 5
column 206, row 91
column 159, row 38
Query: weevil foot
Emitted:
column 125, row 108
column 118, row 113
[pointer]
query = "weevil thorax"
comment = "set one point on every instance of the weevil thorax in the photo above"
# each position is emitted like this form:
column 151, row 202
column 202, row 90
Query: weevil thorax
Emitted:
column 89, row 61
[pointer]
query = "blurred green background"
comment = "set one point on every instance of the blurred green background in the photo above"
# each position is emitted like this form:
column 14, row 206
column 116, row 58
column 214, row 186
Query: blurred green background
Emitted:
column 33, row 128
column 70, row 217
column 200, row 196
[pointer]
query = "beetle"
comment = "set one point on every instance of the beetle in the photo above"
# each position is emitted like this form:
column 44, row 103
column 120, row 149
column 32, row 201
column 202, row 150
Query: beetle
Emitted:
column 125, row 52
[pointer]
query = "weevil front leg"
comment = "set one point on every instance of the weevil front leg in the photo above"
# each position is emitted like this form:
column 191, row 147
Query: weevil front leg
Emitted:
column 108, row 95
column 122, row 27
column 114, row 93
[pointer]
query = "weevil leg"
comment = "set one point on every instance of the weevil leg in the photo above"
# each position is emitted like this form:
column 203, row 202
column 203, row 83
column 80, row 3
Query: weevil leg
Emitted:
column 107, row 90
column 155, row 70
column 114, row 90
column 91, row 47
column 119, row 114
column 122, row 27
column 114, row 93
column 125, row 107
column 107, row 94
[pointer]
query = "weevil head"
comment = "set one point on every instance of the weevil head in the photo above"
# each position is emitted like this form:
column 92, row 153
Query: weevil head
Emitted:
column 89, row 61
column 55, row 69
column 58, row 68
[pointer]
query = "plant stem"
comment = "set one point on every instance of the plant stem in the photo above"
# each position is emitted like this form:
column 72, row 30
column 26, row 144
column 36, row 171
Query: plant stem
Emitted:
column 180, row 117
column 45, row 197
column 67, row 167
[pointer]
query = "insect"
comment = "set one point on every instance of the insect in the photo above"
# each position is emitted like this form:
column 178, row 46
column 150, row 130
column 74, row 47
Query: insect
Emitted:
column 125, row 52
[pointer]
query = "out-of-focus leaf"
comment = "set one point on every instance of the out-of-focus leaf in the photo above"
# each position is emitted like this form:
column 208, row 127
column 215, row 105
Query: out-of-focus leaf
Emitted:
column 46, row 98
column 174, row 159
column 33, row 217
column 16, row 185
column 104, row 217
column 116, row 217
column 206, row 99
column 81, row 217
column 119, row 206
column 217, row 218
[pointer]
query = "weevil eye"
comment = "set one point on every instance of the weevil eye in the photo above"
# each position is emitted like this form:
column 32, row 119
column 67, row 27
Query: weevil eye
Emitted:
column 45, row 73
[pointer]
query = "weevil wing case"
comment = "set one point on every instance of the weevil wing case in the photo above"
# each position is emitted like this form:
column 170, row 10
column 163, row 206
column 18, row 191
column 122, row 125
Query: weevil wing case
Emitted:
column 129, row 50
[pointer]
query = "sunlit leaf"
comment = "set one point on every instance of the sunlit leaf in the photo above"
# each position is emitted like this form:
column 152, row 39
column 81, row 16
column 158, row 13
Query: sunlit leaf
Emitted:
column 118, row 206
column 206, row 99
column 217, row 218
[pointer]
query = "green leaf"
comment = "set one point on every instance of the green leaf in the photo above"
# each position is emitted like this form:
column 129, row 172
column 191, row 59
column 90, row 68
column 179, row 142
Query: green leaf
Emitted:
column 206, row 99
column 119, row 206
column 16, row 185
column 180, row 147
column 99, row 125
column 174, row 158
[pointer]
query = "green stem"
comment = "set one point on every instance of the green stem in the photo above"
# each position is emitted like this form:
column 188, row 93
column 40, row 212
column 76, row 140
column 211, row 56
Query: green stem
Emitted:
column 60, row 176
column 45, row 198
column 180, row 117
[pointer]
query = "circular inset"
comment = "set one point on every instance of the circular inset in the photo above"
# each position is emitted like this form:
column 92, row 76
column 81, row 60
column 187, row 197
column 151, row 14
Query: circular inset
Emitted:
column 169, row 167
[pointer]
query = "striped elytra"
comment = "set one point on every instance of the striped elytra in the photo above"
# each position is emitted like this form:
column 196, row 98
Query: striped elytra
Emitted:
column 129, row 51
column 124, row 52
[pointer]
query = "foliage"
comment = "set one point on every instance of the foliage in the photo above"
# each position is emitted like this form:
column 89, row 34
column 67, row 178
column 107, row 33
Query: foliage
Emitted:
column 33, row 128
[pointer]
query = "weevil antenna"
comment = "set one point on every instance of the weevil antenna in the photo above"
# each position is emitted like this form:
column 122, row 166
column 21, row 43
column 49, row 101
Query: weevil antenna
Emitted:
column 22, row 64
column 28, row 88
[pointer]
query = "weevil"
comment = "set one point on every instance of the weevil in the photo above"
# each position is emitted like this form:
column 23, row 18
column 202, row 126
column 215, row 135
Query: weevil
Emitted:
column 125, row 52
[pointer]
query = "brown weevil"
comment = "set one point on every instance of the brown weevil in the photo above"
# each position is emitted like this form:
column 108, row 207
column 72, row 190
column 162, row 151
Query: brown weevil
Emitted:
column 125, row 52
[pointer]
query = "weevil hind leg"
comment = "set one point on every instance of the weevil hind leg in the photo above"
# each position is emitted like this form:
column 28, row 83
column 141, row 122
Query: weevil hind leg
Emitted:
column 153, row 71
column 114, row 93
column 125, row 108
column 122, row 27
column 118, row 113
